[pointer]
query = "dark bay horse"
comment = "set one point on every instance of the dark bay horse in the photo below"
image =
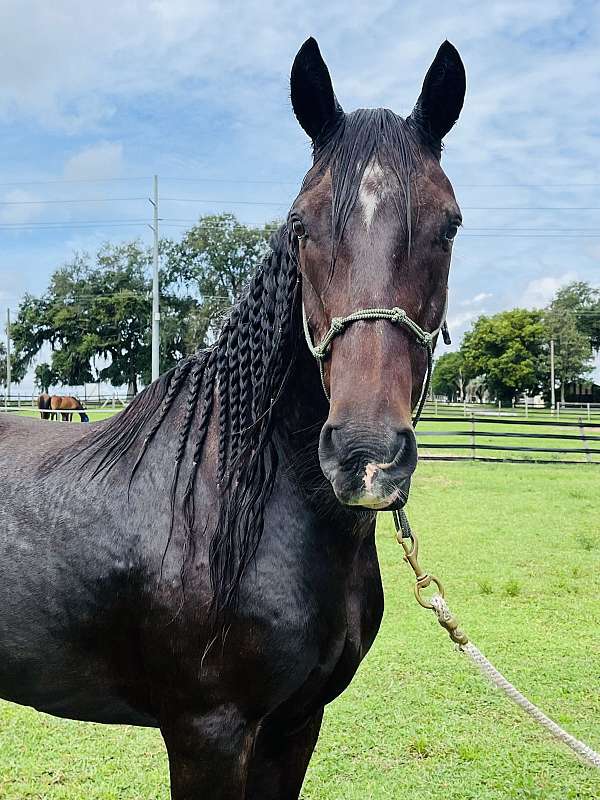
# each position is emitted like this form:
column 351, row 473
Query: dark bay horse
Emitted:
column 62, row 404
column 43, row 404
column 205, row 562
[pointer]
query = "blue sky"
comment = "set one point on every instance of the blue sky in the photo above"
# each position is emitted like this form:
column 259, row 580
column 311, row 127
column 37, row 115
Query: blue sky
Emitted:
column 197, row 92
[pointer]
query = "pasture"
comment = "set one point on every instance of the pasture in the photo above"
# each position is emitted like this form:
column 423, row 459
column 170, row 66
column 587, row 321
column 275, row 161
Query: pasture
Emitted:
column 518, row 550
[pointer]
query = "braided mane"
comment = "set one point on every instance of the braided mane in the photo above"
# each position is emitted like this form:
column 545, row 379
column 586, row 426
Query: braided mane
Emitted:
column 238, row 379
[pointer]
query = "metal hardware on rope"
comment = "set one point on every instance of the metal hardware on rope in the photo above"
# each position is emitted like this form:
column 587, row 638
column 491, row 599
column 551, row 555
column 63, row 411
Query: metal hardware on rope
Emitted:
column 447, row 620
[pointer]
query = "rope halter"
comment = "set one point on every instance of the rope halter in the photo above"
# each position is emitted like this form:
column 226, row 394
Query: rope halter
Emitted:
column 397, row 316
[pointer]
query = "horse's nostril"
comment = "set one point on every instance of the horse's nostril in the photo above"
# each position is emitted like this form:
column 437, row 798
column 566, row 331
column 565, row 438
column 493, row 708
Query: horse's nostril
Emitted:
column 328, row 441
column 405, row 455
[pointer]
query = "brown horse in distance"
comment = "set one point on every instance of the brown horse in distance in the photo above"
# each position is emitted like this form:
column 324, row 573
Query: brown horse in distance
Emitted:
column 63, row 403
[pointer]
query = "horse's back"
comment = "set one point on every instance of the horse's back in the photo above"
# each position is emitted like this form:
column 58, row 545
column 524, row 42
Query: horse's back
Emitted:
column 25, row 442
column 63, row 566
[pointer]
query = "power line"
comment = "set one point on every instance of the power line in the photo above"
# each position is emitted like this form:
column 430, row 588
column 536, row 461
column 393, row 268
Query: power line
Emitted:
column 76, row 200
column 226, row 202
column 58, row 181
column 77, row 222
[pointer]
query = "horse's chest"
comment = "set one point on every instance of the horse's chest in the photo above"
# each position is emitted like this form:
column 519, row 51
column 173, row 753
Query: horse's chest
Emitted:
column 319, row 637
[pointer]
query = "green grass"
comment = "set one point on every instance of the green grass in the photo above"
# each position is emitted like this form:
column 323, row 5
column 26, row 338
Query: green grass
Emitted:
column 518, row 550
column 94, row 414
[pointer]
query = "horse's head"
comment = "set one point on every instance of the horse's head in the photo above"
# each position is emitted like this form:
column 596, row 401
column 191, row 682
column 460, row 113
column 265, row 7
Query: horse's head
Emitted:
column 84, row 417
column 372, row 228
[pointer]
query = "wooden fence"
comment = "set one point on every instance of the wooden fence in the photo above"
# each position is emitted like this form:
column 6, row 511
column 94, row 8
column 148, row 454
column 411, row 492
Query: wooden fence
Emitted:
column 476, row 438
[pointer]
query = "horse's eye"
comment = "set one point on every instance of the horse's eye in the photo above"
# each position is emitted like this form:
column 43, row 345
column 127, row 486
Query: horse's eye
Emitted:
column 451, row 232
column 298, row 228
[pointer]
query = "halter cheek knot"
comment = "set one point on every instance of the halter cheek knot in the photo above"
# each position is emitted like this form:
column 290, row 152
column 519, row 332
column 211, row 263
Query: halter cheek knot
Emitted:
column 320, row 352
column 398, row 315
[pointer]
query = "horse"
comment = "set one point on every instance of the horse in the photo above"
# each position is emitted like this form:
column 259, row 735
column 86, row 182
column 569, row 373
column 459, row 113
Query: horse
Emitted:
column 205, row 562
column 43, row 403
column 61, row 403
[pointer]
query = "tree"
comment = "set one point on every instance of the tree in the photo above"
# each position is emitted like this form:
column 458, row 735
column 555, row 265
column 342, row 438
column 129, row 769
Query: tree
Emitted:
column 214, row 261
column 97, row 319
column 96, row 313
column 449, row 376
column 572, row 347
column 18, row 369
column 45, row 377
column 2, row 364
column 582, row 301
column 509, row 351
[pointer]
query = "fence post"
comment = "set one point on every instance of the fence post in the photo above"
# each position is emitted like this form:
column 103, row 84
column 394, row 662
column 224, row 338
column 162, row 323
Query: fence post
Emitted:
column 465, row 408
column 588, row 412
column 526, row 407
column 473, row 446
column 588, row 455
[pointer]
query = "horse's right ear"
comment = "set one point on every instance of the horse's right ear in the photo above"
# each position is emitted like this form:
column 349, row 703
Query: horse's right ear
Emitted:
column 313, row 100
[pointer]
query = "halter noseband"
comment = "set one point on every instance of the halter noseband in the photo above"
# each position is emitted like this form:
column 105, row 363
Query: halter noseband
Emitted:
column 396, row 316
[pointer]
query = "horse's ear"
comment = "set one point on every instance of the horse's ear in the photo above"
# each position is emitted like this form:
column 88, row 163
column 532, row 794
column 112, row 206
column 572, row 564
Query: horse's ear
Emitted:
column 313, row 100
column 442, row 95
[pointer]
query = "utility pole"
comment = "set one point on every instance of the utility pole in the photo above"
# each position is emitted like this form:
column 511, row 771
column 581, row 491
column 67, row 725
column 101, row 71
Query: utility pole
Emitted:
column 552, row 391
column 155, row 290
column 8, row 375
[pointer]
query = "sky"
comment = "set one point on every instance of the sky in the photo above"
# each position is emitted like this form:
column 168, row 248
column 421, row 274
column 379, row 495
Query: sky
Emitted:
column 95, row 98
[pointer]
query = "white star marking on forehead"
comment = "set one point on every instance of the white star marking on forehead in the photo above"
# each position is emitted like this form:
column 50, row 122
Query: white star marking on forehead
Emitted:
column 371, row 191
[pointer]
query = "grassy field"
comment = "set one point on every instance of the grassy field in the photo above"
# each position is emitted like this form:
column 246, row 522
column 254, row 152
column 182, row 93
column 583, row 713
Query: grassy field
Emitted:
column 518, row 549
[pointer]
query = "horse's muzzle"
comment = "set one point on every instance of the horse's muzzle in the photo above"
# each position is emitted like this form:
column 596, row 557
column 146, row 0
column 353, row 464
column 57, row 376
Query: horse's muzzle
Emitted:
column 368, row 470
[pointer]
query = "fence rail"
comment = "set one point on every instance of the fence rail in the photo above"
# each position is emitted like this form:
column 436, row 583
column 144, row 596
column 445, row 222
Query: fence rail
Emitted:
column 521, row 410
column 491, row 439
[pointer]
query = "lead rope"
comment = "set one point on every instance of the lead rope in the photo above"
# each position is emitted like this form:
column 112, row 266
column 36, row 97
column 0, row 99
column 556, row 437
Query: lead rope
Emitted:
column 447, row 620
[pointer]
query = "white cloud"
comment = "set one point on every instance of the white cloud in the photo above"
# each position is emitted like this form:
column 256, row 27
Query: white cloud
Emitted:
column 478, row 298
column 459, row 321
column 102, row 160
column 539, row 292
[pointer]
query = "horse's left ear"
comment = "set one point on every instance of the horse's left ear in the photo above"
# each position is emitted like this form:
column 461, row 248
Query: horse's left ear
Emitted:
column 313, row 99
column 442, row 95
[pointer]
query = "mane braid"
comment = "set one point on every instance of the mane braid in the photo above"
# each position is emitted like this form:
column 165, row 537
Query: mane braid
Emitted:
column 195, row 381
column 230, row 388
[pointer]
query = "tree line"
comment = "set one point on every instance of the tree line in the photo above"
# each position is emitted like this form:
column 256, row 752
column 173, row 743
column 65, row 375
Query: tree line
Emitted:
column 508, row 354
column 94, row 319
